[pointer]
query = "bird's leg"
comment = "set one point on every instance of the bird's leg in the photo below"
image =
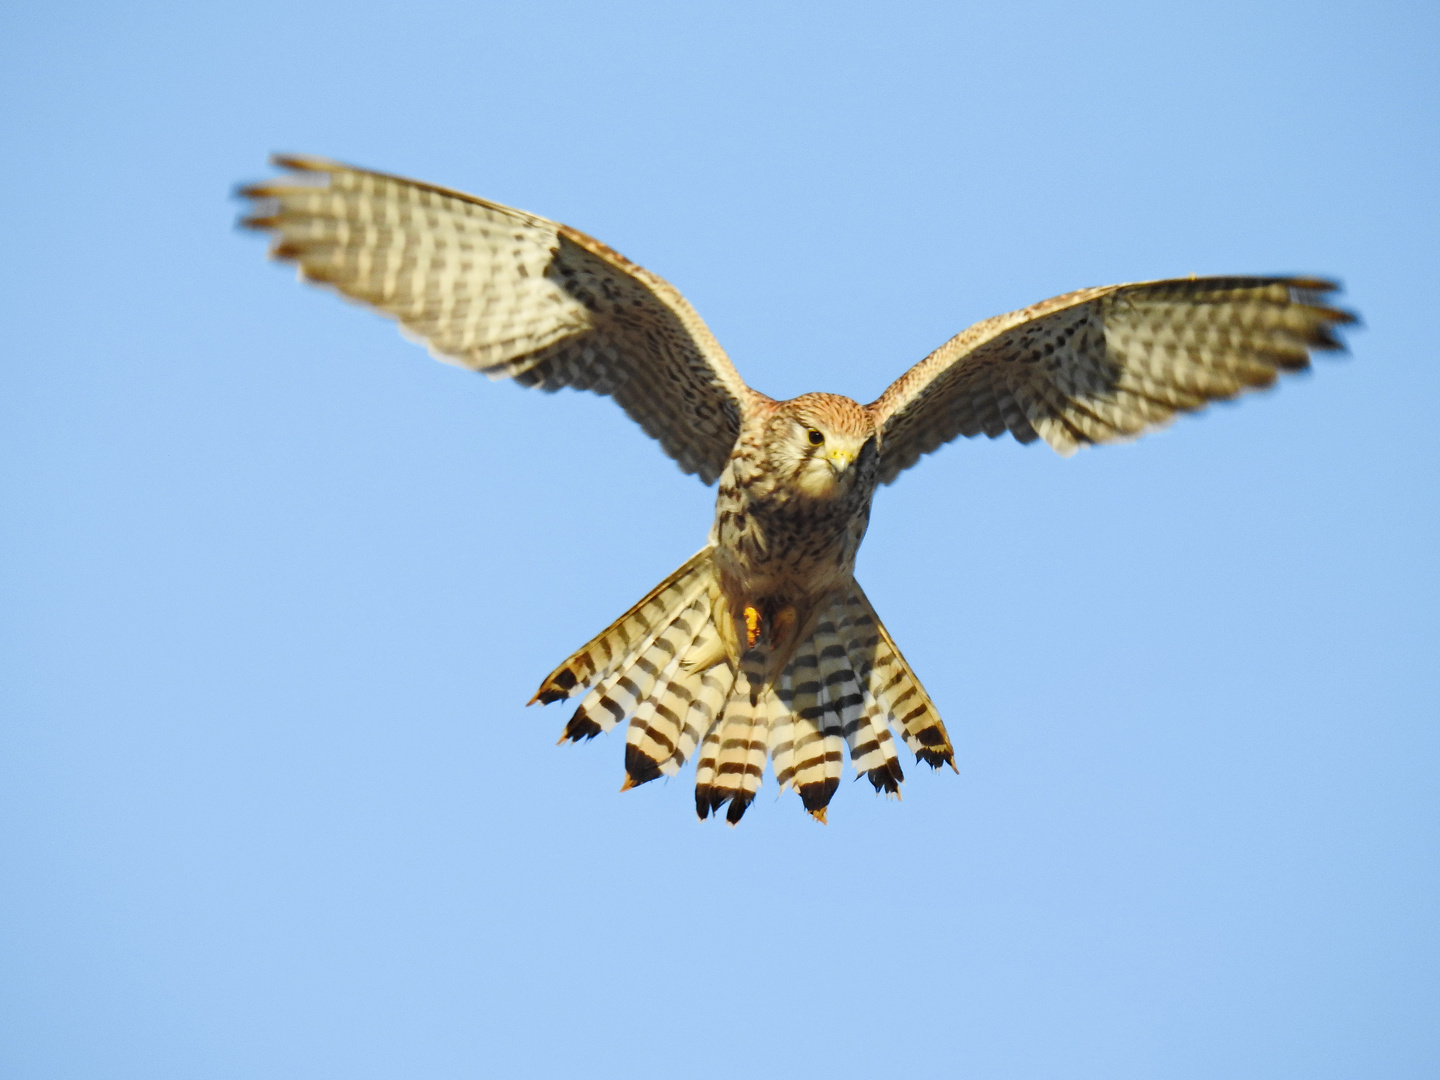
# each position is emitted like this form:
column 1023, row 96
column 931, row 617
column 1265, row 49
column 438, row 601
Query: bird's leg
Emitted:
column 772, row 627
column 753, row 627
column 774, row 623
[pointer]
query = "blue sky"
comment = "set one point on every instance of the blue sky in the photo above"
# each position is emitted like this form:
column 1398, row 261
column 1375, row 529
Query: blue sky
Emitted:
column 275, row 586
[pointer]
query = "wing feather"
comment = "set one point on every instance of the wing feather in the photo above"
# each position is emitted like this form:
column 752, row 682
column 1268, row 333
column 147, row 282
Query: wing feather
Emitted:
column 1100, row 365
column 511, row 295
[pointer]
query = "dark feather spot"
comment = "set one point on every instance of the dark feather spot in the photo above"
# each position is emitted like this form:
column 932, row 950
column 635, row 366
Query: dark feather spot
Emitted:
column 640, row 766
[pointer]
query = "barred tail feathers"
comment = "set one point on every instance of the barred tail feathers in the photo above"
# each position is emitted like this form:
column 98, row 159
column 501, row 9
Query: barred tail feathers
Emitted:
column 845, row 688
column 815, row 755
column 646, row 672
column 857, row 713
column 626, row 636
column 872, row 751
column 705, row 710
column 732, row 761
column 651, row 693
column 670, row 722
column 891, row 687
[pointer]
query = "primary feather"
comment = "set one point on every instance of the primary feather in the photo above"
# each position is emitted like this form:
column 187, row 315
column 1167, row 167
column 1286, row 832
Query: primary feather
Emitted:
column 1099, row 365
column 509, row 294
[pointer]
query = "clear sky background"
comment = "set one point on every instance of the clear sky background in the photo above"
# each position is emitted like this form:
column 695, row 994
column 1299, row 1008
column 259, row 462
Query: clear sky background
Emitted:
column 275, row 586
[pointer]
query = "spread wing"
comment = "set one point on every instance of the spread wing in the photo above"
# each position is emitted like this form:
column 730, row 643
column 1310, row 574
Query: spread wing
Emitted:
column 1106, row 364
column 509, row 294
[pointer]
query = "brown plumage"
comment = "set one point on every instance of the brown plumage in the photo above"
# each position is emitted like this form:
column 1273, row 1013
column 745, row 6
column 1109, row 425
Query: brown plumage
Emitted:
column 762, row 645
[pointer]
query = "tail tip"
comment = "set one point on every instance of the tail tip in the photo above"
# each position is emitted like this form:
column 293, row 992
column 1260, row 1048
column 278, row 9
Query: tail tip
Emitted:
column 559, row 686
column 579, row 727
column 937, row 757
column 640, row 767
column 738, row 805
column 886, row 778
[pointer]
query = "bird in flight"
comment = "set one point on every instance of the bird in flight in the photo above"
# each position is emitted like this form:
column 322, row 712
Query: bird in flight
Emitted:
column 762, row 644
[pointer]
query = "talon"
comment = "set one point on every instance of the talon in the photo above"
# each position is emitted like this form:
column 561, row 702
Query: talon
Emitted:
column 752, row 626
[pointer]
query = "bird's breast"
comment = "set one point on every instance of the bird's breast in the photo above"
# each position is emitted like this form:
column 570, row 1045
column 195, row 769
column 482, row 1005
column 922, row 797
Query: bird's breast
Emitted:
column 786, row 547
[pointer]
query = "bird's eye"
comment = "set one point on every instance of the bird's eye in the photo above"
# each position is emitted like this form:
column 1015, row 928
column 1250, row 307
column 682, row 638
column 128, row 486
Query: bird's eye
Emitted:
column 816, row 438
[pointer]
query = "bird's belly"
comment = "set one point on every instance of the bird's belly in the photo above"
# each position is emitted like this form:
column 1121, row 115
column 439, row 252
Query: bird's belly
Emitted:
column 788, row 556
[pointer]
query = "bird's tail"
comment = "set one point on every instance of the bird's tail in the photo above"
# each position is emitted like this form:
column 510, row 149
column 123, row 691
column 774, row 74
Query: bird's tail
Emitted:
column 663, row 666
column 848, row 684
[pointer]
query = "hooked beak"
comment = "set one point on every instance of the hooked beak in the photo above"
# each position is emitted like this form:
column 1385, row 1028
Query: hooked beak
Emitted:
column 840, row 460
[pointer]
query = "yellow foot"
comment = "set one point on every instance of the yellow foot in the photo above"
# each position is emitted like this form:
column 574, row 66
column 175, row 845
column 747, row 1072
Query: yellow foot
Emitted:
column 752, row 626
column 819, row 815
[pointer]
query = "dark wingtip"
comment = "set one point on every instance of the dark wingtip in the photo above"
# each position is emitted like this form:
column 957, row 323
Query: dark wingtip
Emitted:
column 1311, row 284
column 258, row 219
column 257, row 222
column 253, row 192
column 303, row 163
column 1315, row 292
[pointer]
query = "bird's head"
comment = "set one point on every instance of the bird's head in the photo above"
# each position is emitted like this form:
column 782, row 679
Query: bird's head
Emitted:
column 822, row 445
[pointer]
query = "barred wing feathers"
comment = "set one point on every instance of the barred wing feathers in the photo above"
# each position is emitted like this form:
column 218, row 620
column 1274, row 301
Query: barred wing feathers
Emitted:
column 1105, row 364
column 509, row 294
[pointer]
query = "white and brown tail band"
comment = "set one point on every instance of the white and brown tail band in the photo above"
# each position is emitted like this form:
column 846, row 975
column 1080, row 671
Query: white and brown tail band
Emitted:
column 844, row 688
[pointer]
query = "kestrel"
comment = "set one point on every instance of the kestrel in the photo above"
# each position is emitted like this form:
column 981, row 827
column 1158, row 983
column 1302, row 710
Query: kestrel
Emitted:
column 763, row 644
